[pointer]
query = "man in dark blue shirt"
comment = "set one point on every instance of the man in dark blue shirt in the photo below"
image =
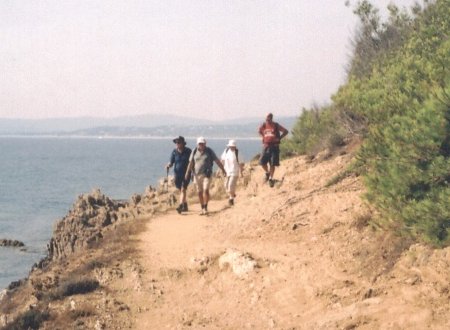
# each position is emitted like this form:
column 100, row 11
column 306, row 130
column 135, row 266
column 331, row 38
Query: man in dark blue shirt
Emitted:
column 180, row 160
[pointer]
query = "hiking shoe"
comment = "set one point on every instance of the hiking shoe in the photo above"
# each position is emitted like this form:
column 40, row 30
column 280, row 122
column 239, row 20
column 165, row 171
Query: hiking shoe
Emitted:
column 185, row 208
column 231, row 202
column 271, row 183
column 180, row 208
column 266, row 176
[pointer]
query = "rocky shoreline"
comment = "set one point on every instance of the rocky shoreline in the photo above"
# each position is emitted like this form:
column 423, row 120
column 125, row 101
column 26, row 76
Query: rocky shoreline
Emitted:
column 83, row 255
column 92, row 218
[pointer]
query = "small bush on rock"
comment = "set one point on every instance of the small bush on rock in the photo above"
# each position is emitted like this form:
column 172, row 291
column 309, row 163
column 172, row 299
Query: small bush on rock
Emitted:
column 78, row 286
column 31, row 319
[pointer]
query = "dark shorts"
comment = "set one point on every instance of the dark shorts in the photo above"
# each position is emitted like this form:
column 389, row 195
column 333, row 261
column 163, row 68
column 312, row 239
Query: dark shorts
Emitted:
column 181, row 182
column 270, row 155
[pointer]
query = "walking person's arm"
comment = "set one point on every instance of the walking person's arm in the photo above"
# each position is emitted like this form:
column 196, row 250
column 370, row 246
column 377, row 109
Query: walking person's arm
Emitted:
column 187, row 175
column 171, row 162
column 219, row 164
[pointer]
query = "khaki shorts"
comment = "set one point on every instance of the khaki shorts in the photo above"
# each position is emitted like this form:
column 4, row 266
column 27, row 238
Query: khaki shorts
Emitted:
column 230, row 184
column 202, row 182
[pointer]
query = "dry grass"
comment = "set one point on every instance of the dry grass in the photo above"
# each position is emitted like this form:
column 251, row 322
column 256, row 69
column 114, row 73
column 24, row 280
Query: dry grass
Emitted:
column 77, row 286
column 31, row 319
column 362, row 220
column 76, row 276
column 76, row 318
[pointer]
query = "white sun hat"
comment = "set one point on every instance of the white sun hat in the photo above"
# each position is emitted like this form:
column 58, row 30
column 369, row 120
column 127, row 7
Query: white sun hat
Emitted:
column 231, row 143
column 201, row 139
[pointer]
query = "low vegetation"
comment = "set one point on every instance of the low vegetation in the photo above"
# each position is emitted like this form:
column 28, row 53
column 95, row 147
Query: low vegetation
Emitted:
column 77, row 286
column 31, row 319
column 397, row 99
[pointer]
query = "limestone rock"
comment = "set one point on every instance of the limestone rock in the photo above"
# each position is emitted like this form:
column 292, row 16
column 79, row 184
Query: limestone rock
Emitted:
column 240, row 263
column 3, row 294
column 83, row 225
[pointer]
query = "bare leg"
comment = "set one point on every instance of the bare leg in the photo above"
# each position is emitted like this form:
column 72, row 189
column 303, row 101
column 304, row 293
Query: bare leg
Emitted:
column 182, row 195
column 265, row 168
column 272, row 171
column 200, row 197
column 205, row 197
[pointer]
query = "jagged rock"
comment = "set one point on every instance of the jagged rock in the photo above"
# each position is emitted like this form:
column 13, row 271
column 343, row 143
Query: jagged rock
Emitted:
column 11, row 243
column 149, row 190
column 16, row 284
column 135, row 199
column 99, row 325
column 83, row 225
column 3, row 294
column 3, row 320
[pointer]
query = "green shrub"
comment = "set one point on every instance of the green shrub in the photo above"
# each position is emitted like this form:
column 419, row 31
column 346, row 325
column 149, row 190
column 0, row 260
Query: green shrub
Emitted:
column 406, row 103
column 74, row 286
column 79, row 287
column 409, row 178
column 315, row 130
column 31, row 319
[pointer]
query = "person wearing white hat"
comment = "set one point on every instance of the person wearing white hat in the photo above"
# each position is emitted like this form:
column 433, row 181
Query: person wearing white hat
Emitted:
column 230, row 161
column 201, row 163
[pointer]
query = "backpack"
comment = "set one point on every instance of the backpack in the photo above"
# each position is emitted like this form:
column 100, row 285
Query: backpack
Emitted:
column 209, row 171
column 236, row 151
column 195, row 151
column 277, row 129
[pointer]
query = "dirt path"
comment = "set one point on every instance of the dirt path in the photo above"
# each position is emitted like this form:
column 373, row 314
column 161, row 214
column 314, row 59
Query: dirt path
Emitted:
column 318, row 264
column 171, row 240
column 189, row 288
column 180, row 259
column 169, row 249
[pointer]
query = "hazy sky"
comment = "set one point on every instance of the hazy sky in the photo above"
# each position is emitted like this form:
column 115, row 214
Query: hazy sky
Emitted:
column 217, row 59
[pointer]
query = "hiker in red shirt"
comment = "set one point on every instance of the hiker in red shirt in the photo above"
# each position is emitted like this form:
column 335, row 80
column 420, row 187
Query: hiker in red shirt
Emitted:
column 271, row 133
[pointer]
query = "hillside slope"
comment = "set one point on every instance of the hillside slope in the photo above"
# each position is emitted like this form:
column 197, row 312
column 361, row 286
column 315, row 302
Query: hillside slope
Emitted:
column 318, row 264
column 297, row 256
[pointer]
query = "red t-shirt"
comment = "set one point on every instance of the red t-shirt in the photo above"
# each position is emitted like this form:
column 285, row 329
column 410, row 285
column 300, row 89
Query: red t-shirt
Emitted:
column 269, row 133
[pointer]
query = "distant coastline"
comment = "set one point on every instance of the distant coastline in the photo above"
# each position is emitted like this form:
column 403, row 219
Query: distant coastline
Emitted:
column 118, row 137
column 151, row 126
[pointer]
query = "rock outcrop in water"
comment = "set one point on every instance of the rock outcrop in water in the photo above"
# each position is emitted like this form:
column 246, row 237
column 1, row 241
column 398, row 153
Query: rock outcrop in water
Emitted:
column 11, row 243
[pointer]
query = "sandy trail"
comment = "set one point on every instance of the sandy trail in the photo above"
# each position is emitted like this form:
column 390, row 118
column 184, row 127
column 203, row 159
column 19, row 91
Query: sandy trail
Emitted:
column 172, row 239
column 316, row 267
column 170, row 251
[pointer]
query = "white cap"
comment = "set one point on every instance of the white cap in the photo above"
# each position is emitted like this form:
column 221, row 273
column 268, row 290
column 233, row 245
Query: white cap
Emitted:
column 231, row 143
column 201, row 139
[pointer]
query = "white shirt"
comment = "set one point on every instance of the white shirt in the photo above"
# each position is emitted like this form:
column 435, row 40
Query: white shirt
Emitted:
column 230, row 162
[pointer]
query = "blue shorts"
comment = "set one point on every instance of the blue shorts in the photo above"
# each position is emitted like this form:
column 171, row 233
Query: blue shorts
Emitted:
column 181, row 182
column 270, row 155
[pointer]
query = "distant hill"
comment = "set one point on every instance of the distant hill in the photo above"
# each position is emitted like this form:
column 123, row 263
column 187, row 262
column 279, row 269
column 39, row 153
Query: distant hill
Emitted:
column 137, row 126
column 59, row 125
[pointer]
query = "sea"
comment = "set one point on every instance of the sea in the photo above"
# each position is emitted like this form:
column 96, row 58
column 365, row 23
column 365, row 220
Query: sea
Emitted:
column 41, row 177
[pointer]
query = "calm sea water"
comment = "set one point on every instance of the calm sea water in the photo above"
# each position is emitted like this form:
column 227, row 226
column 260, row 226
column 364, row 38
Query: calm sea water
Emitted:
column 40, row 178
